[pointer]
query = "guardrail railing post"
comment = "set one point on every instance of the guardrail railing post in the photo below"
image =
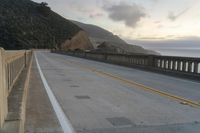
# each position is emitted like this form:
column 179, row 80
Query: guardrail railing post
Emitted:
column 196, row 67
column 3, row 89
column 25, row 58
column 151, row 61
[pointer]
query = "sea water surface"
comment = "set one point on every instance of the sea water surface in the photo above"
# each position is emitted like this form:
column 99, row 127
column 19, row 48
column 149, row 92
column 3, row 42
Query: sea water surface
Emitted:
column 184, row 52
column 182, row 47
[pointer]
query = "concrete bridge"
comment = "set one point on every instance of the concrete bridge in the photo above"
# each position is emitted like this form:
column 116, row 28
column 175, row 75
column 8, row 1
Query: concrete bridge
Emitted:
column 86, row 92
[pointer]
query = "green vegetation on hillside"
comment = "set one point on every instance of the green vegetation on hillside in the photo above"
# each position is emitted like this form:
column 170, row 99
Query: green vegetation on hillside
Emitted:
column 25, row 24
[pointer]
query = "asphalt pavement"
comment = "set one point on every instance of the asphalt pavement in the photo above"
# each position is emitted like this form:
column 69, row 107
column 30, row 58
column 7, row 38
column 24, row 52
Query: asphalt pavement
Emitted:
column 95, row 101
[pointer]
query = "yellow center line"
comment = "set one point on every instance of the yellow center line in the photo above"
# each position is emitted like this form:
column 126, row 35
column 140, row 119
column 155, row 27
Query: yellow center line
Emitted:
column 141, row 86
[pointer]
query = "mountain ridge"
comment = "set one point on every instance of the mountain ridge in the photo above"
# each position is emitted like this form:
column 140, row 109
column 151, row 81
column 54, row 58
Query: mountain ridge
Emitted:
column 98, row 32
column 111, row 43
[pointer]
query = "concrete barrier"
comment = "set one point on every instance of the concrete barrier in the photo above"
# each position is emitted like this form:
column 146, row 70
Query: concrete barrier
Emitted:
column 3, row 88
column 11, row 65
column 185, row 67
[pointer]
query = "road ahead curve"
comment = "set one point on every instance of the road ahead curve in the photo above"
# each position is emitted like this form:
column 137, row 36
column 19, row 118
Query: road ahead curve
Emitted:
column 98, row 103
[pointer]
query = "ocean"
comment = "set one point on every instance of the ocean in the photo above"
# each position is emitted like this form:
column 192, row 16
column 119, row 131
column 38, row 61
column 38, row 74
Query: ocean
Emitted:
column 185, row 48
column 184, row 52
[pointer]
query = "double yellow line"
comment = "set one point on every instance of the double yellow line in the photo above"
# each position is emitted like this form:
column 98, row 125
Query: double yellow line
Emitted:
column 143, row 87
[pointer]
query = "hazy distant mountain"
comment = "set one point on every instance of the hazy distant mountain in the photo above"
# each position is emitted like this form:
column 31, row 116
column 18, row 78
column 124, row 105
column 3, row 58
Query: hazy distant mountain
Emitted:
column 99, row 33
column 99, row 36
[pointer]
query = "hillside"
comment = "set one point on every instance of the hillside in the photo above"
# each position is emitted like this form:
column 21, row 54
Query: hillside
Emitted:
column 99, row 36
column 25, row 24
column 99, row 33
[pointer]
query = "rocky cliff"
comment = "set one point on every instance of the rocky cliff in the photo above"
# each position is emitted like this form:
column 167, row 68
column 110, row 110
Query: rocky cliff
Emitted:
column 78, row 42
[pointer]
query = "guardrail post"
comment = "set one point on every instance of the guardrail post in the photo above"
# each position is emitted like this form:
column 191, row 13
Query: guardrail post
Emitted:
column 169, row 64
column 179, row 65
column 25, row 59
column 196, row 67
column 3, row 90
column 189, row 66
column 184, row 66
column 105, row 57
column 151, row 61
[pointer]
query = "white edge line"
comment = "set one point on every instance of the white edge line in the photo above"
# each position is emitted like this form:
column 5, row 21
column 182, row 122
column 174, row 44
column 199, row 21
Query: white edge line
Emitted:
column 63, row 120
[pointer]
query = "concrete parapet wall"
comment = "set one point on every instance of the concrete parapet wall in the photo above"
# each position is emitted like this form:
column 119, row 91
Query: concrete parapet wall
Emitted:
column 177, row 66
column 3, row 88
column 11, row 65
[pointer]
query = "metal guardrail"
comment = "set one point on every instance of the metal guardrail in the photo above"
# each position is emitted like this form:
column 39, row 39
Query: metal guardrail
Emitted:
column 11, row 65
column 177, row 66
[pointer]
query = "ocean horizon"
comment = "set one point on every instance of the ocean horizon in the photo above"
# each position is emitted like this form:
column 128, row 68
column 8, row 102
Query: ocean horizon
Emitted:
column 183, row 52
column 183, row 48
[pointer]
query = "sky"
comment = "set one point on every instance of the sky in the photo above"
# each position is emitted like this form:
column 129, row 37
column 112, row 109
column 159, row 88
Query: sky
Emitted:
column 136, row 19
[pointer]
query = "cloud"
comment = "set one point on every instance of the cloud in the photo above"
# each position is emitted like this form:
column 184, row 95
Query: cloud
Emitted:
column 96, row 15
column 157, row 22
column 189, row 37
column 129, row 14
column 155, row 1
column 160, row 26
column 172, row 16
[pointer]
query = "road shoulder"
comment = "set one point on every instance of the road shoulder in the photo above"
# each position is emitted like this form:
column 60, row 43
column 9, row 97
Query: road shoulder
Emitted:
column 40, row 116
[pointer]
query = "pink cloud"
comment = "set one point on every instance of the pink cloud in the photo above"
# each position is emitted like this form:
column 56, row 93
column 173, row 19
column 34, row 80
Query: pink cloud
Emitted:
column 95, row 15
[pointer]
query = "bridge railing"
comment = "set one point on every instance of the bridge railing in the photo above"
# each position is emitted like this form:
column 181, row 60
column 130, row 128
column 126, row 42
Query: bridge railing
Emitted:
column 11, row 65
column 178, row 66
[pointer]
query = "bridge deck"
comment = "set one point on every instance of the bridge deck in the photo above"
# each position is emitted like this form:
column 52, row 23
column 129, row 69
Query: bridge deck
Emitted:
column 40, row 117
column 98, row 97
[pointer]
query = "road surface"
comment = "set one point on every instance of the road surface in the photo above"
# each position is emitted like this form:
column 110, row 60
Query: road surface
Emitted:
column 95, row 101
